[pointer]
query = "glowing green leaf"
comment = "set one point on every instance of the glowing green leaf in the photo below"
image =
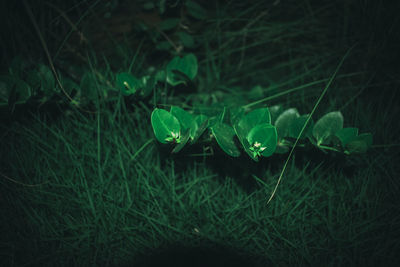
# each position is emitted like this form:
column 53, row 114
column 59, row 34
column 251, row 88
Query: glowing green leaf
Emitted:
column 284, row 122
column 127, row 83
column 346, row 135
column 186, row 65
column 327, row 126
column 166, row 126
column 262, row 139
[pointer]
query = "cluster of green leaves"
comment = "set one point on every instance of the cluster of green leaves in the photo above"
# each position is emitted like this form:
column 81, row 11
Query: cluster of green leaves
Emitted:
column 178, row 36
column 180, row 70
column 20, row 83
column 260, row 132
column 23, row 83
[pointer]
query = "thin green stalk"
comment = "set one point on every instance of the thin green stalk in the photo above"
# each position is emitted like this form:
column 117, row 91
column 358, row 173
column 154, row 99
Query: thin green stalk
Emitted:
column 308, row 119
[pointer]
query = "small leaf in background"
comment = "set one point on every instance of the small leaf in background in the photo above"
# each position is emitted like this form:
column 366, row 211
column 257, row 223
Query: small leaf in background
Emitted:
column 69, row 85
column 187, row 65
column 297, row 125
column 161, row 76
column 14, row 89
column 166, row 126
column 263, row 140
column 169, row 24
column 360, row 144
column 346, row 135
column 275, row 111
column 186, row 39
column 185, row 118
column 224, row 135
column 88, row 86
column 17, row 67
column 127, row 83
column 48, row 83
column 195, row 10
column 327, row 125
column 256, row 93
column 163, row 45
column 201, row 123
column 284, row 121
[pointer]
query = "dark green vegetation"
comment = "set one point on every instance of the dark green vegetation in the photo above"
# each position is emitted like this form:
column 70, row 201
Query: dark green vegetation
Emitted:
column 85, row 182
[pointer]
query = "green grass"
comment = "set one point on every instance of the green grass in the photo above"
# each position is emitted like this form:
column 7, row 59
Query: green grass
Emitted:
column 81, row 189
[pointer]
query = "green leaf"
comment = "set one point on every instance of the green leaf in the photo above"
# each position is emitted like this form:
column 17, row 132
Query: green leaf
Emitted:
column 195, row 10
column 186, row 39
column 297, row 125
column 224, row 135
column 326, row 126
column 201, row 123
column 48, row 83
column 17, row 66
column 169, row 24
column 284, row 122
column 254, row 118
column 263, row 139
column 13, row 85
column 127, row 83
column 186, row 65
column 185, row 118
column 346, row 135
column 360, row 144
column 166, row 126
column 367, row 138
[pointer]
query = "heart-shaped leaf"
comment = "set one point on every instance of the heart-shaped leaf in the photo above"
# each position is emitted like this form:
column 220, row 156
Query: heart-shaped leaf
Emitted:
column 166, row 126
column 262, row 139
column 252, row 119
column 224, row 135
column 346, row 135
column 285, row 121
column 327, row 126
column 127, row 83
column 186, row 65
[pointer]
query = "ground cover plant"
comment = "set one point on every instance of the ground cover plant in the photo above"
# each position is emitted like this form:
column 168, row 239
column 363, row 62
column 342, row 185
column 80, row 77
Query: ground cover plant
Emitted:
column 191, row 133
